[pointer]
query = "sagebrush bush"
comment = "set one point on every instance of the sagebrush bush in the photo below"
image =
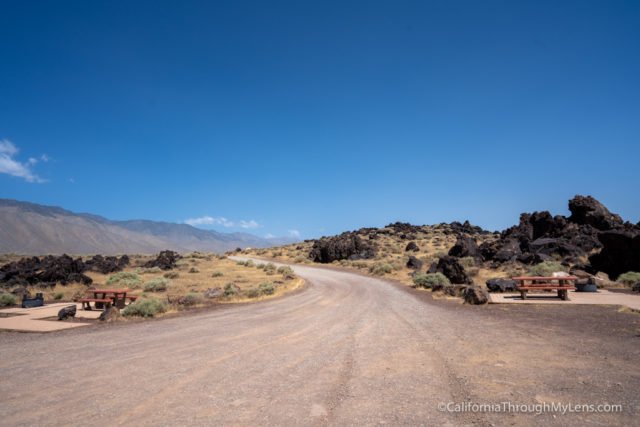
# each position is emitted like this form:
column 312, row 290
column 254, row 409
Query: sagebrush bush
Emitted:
column 230, row 289
column 58, row 296
column 194, row 270
column 171, row 275
column 266, row 288
column 285, row 270
column 629, row 278
column 125, row 278
column 381, row 268
column 217, row 274
column 270, row 268
column 546, row 268
column 145, row 307
column 427, row 280
column 149, row 270
column 7, row 299
column 157, row 285
column 261, row 266
column 252, row 293
column 192, row 298
column 299, row 258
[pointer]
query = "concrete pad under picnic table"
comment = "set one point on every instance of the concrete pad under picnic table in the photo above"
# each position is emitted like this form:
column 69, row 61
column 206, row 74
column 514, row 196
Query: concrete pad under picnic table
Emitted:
column 31, row 319
column 602, row 297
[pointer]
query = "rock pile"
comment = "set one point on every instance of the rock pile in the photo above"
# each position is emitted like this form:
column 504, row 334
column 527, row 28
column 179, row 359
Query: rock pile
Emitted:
column 347, row 245
column 166, row 260
column 46, row 271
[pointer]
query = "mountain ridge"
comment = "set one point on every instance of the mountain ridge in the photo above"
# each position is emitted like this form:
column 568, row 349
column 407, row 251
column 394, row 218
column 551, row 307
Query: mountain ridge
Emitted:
column 33, row 229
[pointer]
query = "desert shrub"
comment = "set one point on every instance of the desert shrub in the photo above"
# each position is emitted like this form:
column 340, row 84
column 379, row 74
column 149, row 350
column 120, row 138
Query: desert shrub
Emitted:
column 261, row 266
column 276, row 254
column 171, row 275
column 270, row 268
column 285, row 270
column 546, row 268
column 266, row 288
column 427, row 280
column 252, row 293
column 157, row 285
column 58, row 296
column 192, row 298
column 300, row 258
column 629, row 278
column 230, row 289
column 125, row 278
column 7, row 299
column 241, row 263
column 194, row 270
column 467, row 261
column 217, row 274
column 249, row 263
column 381, row 268
column 145, row 307
column 151, row 270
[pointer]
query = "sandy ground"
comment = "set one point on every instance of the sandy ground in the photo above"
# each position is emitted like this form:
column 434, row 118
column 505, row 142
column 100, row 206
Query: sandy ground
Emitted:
column 348, row 350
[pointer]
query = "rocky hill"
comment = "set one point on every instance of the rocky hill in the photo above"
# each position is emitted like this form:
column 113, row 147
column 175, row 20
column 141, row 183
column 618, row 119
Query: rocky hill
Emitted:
column 29, row 228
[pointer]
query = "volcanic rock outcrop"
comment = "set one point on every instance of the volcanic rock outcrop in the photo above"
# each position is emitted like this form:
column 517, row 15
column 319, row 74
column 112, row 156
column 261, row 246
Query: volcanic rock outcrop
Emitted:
column 345, row 246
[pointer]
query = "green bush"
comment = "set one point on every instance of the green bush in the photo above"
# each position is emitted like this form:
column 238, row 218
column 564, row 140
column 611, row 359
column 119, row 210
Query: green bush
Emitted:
column 629, row 278
column 266, row 288
column 157, row 285
column 125, row 278
column 427, row 280
column 147, row 307
column 285, row 270
column 58, row 296
column 546, row 268
column 261, row 266
column 192, row 298
column 381, row 268
column 241, row 263
column 252, row 293
column 150, row 270
column 217, row 274
column 270, row 268
column 7, row 299
column 230, row 289
column 249, row 263
column 300, row 258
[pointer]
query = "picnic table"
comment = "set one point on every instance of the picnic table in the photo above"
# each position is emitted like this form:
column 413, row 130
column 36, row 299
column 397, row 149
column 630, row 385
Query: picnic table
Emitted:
column 104, row 298
column 562, row 284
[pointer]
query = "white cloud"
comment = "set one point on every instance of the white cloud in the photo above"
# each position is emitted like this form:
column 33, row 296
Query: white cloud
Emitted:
column 249, row 224
column 220, row 220
column 269, row 236
column 294, row 233
column 11, row 166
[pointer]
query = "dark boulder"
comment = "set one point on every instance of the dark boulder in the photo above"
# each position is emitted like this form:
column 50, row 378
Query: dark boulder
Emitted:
column 508, row 251
column 554, row 246
column 620, row 253
column 476, row 295
column 451, row 268
column 108, row 264
column 414, row 263
column 587, row 210
column 166, row 260
column 636, row 287
column 345, row 246
column 453, row 290
column 465, row 247
column 501, row 285
column 67, row 312
column 411, row 246
column 46, row 271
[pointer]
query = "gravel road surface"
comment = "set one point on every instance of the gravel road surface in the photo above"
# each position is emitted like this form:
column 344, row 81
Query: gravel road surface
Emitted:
column 346, row 350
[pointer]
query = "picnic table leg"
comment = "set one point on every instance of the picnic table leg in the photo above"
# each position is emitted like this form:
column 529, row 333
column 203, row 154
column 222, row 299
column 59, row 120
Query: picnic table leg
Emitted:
column 563, row 294
column 523, row 294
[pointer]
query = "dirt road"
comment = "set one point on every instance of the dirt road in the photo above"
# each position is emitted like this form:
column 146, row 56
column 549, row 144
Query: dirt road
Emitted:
column 346, row 350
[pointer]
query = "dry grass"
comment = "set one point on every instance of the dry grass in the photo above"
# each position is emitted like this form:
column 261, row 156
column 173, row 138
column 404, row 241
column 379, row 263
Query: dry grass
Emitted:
column 432, row 241
column 196, row 273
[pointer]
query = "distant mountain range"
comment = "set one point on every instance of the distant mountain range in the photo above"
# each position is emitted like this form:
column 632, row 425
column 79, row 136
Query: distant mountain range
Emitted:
column 29, row 228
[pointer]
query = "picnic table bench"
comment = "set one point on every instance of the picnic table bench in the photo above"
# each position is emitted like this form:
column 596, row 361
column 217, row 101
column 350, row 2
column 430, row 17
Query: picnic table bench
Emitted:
column 104, row 298
column 562, row 284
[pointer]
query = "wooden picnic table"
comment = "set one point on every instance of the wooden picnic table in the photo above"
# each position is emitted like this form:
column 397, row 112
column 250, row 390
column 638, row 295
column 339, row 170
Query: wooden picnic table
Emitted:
column 562, row 284
column 103, row 298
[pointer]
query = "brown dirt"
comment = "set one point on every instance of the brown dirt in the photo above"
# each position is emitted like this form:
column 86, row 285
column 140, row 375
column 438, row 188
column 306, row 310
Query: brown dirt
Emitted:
column 347, row 350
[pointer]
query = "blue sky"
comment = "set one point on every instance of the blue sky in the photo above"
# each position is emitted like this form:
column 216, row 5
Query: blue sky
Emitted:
column 320, row 117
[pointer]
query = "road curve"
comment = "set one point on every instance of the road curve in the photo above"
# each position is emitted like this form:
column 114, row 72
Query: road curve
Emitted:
column 346, row 350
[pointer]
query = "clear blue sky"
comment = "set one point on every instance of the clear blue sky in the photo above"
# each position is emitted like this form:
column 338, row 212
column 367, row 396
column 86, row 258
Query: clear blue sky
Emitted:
column 320, row 116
